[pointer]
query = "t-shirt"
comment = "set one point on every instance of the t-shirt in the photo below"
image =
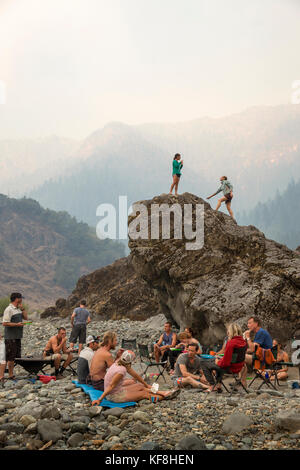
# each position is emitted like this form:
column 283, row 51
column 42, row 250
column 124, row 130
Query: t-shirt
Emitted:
column 192, row 368
column 111, row 372
column 81, row 316
column 84, row 364
column 263, row 338
column 13, row 314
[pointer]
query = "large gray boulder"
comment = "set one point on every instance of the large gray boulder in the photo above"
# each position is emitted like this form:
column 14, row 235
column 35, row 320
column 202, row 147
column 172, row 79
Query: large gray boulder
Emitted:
column 30, row 408
column 49, row 430
column 237, row 273
column 190, row 442
column 288, row 420
column 236, row 422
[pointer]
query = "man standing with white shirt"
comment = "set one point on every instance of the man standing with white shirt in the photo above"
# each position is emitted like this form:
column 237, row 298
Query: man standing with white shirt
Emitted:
column 13, row 322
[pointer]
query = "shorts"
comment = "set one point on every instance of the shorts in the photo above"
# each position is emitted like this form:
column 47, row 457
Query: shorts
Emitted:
column 176, row 174
column 97, row 384
column 13, row 349
column 64, row 357
column 78, row 331
column 118, row 397
column 228, row 198
column 177, row 381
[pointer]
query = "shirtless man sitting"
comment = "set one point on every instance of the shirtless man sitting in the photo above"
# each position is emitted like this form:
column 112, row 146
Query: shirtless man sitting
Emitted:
column 103, row 359
column 56, row 350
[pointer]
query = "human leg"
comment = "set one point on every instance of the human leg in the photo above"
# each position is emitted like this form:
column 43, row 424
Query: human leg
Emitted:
column 228, row 205
column 222, row 199
column 157, row 352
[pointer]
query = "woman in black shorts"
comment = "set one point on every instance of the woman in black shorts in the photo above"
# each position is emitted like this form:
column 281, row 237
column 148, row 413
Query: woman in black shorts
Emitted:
column 226, row 187
column 177, row 165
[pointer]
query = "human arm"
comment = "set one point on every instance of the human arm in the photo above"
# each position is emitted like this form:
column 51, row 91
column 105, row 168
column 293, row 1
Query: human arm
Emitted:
column 226, row 359
column 250, row 343
column 7, row 319
column 57, row 346
column 174, row 339
column 115, row 380
column 88, row 320
column 24, row 313
column 160, row 340
column 137, row 377
column 217, row 192
column 185, row 373
column 72, row 318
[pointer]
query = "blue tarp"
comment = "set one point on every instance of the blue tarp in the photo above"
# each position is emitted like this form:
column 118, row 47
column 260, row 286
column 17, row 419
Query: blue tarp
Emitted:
column 95, row 394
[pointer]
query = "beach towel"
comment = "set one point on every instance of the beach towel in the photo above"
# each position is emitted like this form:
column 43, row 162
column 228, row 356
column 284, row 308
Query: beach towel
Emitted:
column 96, row 394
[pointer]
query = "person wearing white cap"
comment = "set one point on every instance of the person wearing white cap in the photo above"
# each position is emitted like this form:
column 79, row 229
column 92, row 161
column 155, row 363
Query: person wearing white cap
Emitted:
column 85, row 359
column 116, row 389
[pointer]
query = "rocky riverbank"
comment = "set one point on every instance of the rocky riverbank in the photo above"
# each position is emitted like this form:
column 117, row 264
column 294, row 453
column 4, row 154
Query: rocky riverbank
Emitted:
column 59, row 416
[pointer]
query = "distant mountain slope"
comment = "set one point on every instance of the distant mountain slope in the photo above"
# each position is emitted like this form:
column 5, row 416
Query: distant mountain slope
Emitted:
column 121, row 162
column 42, row 252
column 31, row 162
column 278, row 218
column 258, row 149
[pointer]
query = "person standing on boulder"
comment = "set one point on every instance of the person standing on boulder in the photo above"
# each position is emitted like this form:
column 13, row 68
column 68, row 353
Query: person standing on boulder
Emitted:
column 177, row 165
column 227, row 188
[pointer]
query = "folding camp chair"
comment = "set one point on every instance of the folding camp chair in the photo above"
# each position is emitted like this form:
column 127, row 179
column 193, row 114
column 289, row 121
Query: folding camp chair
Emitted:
column 238, row 356
column 70, row 366
column 259, row 368
column 129, row 344
column 147, row 360
column 33, row 365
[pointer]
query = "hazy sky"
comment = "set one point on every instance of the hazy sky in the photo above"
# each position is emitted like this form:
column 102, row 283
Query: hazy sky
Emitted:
column 71, row 66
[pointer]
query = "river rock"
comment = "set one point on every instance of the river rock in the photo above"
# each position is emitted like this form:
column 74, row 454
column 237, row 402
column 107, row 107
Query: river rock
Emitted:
column 49, row 430
column 288, row 420
column 235, row 423
column 75, row 439
column 190, row 442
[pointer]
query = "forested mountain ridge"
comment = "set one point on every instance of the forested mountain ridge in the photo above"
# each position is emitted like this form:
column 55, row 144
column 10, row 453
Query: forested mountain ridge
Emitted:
column 43, row 252
column 278, row 218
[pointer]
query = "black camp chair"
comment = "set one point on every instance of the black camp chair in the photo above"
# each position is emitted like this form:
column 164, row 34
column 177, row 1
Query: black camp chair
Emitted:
column 129, row 344
column 33, row 365
column 238, row 356
column 148, row 361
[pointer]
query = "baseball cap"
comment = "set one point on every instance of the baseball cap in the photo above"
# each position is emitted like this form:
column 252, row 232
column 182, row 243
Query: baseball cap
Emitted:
column 92, row 339
column 127, row 357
